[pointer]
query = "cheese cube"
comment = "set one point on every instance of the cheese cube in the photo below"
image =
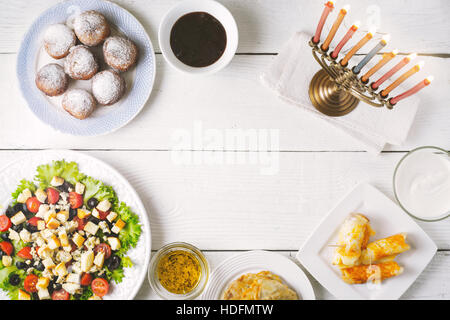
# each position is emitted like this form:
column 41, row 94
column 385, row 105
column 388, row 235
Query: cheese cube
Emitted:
column 57, row 181
column 41, row 195
column 104, row 226
column 18, row 218
column 62, row 216
column 44, row 252
column 99, row 259
column 41, row 225
column 46, row 233
column 25, row 235
column 71, row 287
column 94, row 297
column 42, row 283
column 13, row 235
column 64, row 240
column 87, row 260
column 23, row 295
column 63, row 256
column 82, row 213
column 95, row 213
column 73, row 278
column 48, row 263
column 78, row 240
column 50, row 214
column 7, row 261
column 79, row 188
column 114, row 243
column 104, row 205
column 111, row 216
column 91, row 228
column 53, row 243
column 118, row 226
column 43, row 208
column 24, row 196
column 43, row 294
column 67, row 248
column 61, row 269
column 53, row 223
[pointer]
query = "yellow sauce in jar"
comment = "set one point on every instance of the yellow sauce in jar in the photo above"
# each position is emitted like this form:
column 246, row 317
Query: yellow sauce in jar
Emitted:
column 179, row 271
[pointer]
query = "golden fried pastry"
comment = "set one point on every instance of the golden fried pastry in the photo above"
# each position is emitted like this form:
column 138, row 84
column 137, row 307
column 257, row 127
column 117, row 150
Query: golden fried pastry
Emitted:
column 375, row 272
column 384, row 248
column 353, row 237
column 80, row 64
column 91, row 28
column 79, row 103
column 58, row 39
column 108, row 87
column 120, row 53
column 52, row 80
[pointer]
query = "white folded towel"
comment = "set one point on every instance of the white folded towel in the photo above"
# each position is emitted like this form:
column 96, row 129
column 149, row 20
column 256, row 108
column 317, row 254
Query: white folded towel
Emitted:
column 290, row 74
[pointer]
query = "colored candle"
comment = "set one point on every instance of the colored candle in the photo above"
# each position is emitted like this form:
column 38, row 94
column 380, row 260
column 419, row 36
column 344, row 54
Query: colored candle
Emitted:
column 402, row 78
column 413, row 90
column 391, row 72
column 385, row 59
column 329, row 6
column 358, row 46
column 371, row 53
column 345, row 39
column 335, row 27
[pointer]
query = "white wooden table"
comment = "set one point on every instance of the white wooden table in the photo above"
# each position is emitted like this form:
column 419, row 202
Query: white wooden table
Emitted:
column 227, row 208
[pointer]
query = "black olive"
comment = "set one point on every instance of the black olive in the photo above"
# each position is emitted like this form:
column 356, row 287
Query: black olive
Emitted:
column 1, row 254
column 18, row 227
column 93, row 219
column 72, row 213
column 77, row 296
column 14, row 279
column 57, row 286
column 31, row 228
column 18, row 207
column 65, row 186
column 113, row 263
column 21, row 265
column 5, row 236
column 10, row 212
column 40, row 267
column 92, row 203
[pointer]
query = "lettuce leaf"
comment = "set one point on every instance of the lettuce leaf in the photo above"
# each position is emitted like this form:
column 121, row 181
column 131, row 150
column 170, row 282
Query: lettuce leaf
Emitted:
column 13, row 291
column 66, row 170
column 115, row 275
column 96, row 188
column 24, row 184
column 129, row 235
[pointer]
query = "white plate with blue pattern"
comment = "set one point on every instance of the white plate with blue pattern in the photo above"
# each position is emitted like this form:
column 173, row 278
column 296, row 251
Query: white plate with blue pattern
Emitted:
column 104, row 119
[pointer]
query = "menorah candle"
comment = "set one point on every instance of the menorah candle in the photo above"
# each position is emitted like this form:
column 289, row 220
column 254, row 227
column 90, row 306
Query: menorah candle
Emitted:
column 385, row 59
column 402, row 78
column 391, row 72
column 413, row 90
column 335, row 27
column 345, row 39
column 371, row 54
column 358, row 46
column 329, row 6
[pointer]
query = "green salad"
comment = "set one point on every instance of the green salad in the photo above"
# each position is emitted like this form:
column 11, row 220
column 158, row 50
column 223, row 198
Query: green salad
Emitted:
column 65, row 236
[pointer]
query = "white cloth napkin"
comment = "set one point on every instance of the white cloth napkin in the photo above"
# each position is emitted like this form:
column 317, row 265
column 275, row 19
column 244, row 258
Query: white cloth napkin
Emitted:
column 289, row 76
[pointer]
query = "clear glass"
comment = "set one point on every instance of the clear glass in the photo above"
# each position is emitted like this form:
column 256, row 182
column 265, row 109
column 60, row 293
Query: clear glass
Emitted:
column 428, row 149
column 153, row 277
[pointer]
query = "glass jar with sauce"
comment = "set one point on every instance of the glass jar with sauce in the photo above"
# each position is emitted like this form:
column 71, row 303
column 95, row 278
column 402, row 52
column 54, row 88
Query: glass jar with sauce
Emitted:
column 178, row 271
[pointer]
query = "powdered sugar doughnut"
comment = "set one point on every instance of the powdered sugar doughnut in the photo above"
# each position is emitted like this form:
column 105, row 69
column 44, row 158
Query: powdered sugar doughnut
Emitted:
column 108, row 87
column 79, row 103
column 80, row 64
column 58, row 39
column 52, row 80
column 120, row 53
column 91, row 28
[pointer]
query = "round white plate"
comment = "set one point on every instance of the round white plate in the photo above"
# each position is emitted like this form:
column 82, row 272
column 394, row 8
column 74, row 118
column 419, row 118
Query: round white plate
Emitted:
column 105, row 119
column 256, row 261
column 25, row 168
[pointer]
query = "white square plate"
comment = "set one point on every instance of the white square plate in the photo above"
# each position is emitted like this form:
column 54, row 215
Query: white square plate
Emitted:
column 387, row 219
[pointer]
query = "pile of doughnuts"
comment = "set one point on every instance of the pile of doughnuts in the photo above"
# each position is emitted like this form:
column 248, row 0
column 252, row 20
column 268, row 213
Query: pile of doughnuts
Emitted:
column 91, row 29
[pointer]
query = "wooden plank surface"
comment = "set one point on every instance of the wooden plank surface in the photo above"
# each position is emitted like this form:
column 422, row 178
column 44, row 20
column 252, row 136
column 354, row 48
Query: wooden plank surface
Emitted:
column 265, row 25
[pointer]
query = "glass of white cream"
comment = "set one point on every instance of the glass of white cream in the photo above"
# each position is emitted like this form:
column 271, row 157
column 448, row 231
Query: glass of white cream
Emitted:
column 422, row 183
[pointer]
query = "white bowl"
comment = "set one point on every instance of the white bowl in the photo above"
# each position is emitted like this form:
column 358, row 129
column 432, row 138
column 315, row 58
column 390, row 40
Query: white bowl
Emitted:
column 215, row 9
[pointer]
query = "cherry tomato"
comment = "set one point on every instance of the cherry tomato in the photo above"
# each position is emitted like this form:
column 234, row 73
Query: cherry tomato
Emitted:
column 25, row 253
column 103, row 214
column 75, row 200
column 30, row 283
column 81, row 222
column 86, row 279
column 52, row 196
column 105, row 248
column 100, row 287
column 33, row 204
column 34, row 221
column 60, row 295
column 5, row 223
column 7, row 247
